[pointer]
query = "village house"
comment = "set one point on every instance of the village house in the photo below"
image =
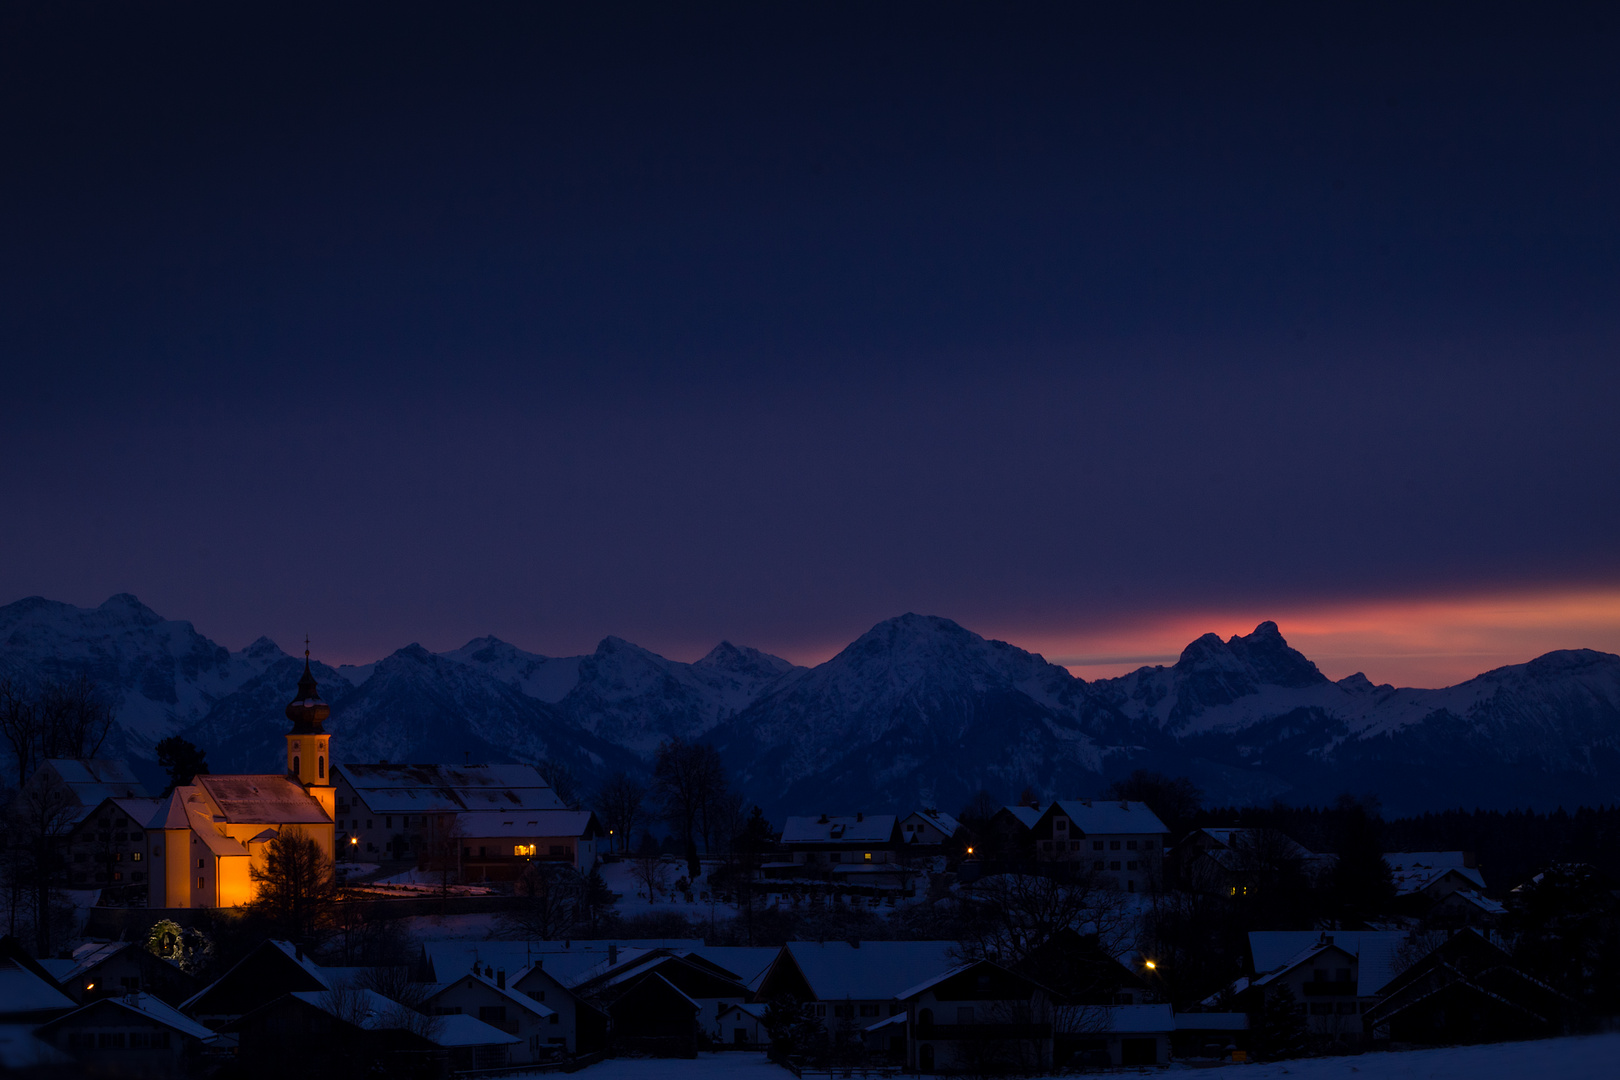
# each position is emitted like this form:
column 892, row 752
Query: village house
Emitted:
column 929, row 829
column 107, row 850
column 498, row 845
column 1115, row 1035
column 267, row 972
column 858, row 850
column 1467, row 989
column 622, row 985
column 538, row 1027
column 134, row 1035
column 848, row 986
column 98, row 969
column 1122, row 842
column 1233, row 862
column 29, row 994
column 89, row 782
column 1434, row 875
column 1334, row 976
column 977, row 1018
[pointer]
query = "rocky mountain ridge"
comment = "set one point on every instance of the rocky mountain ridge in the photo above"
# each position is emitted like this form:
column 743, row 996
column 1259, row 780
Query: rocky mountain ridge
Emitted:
column 918, row 710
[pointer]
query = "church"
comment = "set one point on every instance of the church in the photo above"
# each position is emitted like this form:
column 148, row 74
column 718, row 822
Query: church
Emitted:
column 204, row 838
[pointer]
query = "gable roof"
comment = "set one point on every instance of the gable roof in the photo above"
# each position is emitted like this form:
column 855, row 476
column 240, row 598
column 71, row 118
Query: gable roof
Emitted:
column 562, row 961
column 1414, row 871
column 378, row 1009
column 459, row 1029
column 143, row 1005
column 1374, row 951
column 303, row 968
column 414, row 789
column 937, row 818
column 25, row 991
column 837, row 970
column 523, row 823
column 138, row 809
column 928, row 984
column 826, row 829
column 523, row 1001
column 1235, row 838
column 269, row 800
column 747, row 963
column 86, row 956
column 94, row 780
column 1026, row 816
column 1102, row 816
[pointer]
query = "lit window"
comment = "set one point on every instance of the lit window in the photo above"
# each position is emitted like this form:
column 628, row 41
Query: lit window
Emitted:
column 868, row 856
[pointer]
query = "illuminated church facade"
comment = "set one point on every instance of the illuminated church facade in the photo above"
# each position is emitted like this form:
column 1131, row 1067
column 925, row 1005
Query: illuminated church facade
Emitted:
column 207, row 835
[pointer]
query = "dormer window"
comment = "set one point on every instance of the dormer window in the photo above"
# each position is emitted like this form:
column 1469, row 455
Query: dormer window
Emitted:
column 1060, row 824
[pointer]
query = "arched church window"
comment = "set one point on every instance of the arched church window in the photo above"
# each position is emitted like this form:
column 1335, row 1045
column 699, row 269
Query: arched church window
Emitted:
column 320, row 767
column 296, row 769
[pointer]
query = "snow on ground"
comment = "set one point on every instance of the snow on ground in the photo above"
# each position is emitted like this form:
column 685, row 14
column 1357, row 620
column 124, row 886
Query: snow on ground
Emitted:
column 481, row 927
column 1588, row 1057
column 1592, row 1057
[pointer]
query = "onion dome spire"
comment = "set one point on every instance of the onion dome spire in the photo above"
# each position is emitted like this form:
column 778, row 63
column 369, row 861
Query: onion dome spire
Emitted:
column 307, row 711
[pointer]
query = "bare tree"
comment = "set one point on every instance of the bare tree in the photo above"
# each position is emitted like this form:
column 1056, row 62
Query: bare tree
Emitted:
column 297, row 886
column 651, row 873
column 19, row 726
column 1016, row 919
column 550, row 898
column 41, row 817
column 59, row 719
column 688, row 781
column 562, row 782
column 440, row 850
column 620, row 802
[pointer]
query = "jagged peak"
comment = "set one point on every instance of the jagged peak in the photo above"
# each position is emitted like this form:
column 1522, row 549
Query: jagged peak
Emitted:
column 130, row 606
column 728, row 657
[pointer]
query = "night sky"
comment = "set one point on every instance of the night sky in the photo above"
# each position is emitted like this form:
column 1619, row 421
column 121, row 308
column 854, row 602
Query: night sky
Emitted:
column 1090, row 330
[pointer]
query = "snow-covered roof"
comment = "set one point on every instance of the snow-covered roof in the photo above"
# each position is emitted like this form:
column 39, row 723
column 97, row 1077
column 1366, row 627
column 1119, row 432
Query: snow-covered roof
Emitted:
column 1480, row 901
column 1026, row 816
column 370, row 1010
column 928, row 984
column 459, row 1029
column 748, row 963
column 1414, row 871
column 897, row 1020
column 21, row 991
column 85, row 957
column 147, row 1007
column 94, row 780
column 523, row 1001
column 826, row 829
column 754, row 1009
column 1241, row 838
column 837, row 970
column 527, row 823
column 413, row 789
column 21, row 1049
column 138, row 808
column 937, row 818
column 1277, row 951
column 1102, row 816
column 563, row 961
column 269, row 800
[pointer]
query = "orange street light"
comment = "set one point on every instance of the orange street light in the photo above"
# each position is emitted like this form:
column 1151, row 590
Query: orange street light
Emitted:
column 1150, row 965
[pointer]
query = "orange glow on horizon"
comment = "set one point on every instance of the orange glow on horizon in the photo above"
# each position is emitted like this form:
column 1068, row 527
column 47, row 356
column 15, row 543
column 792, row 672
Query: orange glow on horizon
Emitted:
column 1430, row 642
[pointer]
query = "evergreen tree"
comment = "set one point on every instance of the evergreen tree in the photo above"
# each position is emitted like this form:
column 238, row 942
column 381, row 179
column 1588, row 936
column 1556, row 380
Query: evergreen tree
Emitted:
column 182, row 760
column 297, row 887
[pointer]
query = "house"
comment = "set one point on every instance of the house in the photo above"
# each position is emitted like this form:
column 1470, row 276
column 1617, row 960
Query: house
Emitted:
column 1333, row 976
column 743, row 1024
column 537, row 1026
column 92, row 781
column 1115, row 1034
column 341, row 1033
column 205, row 838
column 1470, row 908
column 848, row 986
column 1009, row 836
column 1434, row 875
column 1234, row 862
column 653, row 1016
column 977, row 1018
column 928, row 828
column 1467, row 990
column 413, row 811
column 99, row 969
column 133, row 1035
column 106, row 849
column 581, row 1027
column 1210, row 1034
column 858, row 850
column 28, row 992
column 699, row 981
column 263, row 975
column 1121, row 841
column 498, row 845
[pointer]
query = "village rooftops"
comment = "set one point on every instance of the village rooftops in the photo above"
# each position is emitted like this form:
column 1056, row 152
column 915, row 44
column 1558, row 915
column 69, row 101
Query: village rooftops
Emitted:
column 95, row 779
column 263, row 798
column 1105, row 817
column 1415, row 871
column 145, row 1007
column 836, row 831
column 445, row 960
column 459, row 1029
column 25, row 992
column 426, row 789
column 938, row 819
column 85, row 957
column 871, row 970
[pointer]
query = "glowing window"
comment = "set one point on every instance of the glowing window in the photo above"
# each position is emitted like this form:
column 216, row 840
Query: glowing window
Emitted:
column 868, row 856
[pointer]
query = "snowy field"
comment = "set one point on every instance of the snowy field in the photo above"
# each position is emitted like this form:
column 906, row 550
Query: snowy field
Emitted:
column 1595, row 1057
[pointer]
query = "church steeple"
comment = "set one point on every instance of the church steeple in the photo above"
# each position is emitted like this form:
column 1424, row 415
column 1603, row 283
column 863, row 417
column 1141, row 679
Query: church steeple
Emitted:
column 308, row 761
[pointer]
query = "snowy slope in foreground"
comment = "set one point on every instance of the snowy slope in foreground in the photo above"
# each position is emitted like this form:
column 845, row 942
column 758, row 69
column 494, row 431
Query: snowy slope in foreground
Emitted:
column 1590, row 1057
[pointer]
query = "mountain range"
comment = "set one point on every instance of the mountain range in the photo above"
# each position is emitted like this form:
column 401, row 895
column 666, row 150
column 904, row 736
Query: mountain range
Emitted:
column 917, row 711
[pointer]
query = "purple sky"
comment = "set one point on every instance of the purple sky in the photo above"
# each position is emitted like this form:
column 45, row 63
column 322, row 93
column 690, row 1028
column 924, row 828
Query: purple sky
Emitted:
column 770, row 326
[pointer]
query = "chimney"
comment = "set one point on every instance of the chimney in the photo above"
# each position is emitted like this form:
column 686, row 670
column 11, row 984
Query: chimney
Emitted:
column 860, row 815
column 298, row 951
column 855, row 943
column 500, row 979
column 823, row 820
column 489, row 971
column 613, row 955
